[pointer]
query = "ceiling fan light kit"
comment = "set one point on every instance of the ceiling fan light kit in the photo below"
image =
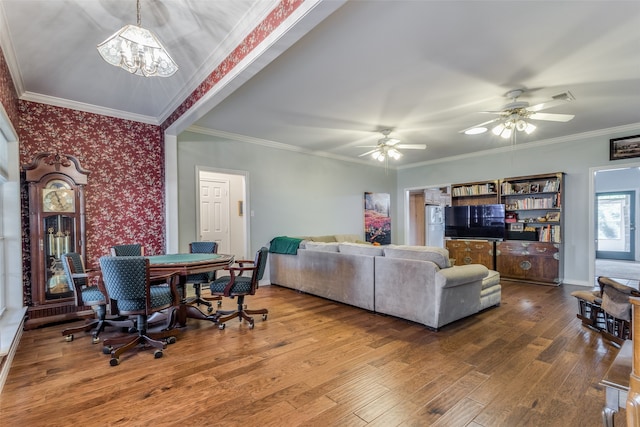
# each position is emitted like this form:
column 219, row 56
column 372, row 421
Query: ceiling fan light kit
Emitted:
column 388, row 148
column 515, row 115
column 138, row 51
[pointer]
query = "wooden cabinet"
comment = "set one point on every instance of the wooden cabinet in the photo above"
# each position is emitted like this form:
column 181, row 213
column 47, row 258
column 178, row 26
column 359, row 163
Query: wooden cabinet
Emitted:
column 57, row 226
column 531, row 261
column 472, row 252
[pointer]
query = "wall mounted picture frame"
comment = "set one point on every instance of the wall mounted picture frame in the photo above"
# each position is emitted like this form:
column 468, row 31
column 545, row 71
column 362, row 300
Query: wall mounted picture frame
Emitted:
column 377, row 218
column 624, row 148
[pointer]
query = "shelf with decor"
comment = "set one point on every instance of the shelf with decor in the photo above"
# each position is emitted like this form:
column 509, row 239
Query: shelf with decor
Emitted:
column 532, row 249
column 474, row 193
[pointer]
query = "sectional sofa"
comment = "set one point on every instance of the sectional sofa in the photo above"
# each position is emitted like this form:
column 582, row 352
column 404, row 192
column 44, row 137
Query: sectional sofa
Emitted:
column 416, row 283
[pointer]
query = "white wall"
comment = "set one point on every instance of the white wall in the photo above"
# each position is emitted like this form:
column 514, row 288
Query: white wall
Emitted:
column 290, row 193
column 574, row 157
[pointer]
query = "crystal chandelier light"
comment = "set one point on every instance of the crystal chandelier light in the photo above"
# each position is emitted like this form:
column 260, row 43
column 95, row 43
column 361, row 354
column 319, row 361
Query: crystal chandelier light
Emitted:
column 138, row 51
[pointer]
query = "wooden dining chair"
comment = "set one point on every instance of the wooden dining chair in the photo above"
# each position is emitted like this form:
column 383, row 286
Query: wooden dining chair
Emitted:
column 198, row 280
column 133, row 249
column 127, row 280
column 243, row 280
column 89, row 291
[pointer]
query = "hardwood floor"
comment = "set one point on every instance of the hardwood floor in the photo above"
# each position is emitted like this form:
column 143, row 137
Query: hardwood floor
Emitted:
column 529, row 362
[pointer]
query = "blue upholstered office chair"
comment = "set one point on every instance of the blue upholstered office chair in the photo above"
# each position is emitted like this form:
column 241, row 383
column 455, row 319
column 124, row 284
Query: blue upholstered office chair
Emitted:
column 200, row 279
column 89, row 295
column 127, row 281
column 134, row 249
column 239, row 285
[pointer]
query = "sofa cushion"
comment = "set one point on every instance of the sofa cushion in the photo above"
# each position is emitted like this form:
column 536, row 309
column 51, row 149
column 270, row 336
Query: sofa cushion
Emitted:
column 492, row 279
column 321, row 246
column 325, row 239
column 439, row 256
column 360, row 249
column 351, row 238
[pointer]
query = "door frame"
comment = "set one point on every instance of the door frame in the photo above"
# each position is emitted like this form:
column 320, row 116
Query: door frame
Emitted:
column 592, row 209
column 246, row 199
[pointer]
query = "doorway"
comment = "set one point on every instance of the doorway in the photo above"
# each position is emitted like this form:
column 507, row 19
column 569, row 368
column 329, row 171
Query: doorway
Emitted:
column 222, row 202
column 614, row 213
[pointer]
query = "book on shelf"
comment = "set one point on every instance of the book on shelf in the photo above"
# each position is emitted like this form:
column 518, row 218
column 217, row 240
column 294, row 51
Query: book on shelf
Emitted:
column 549, row 233
column 474, row 190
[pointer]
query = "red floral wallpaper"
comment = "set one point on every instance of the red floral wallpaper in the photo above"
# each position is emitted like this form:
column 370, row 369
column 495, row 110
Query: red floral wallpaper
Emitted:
column 8, row 96
column 125, row 192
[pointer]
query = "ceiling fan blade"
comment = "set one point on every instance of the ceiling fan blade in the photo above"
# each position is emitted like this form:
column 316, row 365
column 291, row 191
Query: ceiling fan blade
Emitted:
column 368, row 152
column 559, row 99
column 366, row 146
column 545, row 105
column 411, row 146
column 480, row 124
column 552, row 117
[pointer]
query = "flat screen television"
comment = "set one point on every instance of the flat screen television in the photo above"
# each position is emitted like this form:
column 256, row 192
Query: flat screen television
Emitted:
column 474, row 222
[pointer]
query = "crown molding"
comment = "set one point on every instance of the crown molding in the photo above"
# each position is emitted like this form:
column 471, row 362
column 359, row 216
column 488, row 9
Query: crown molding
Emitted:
column 272, row 144
column 88, row 108
column 569, row 138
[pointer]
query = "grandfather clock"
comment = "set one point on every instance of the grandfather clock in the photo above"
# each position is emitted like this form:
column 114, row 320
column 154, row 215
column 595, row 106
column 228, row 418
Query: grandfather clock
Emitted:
column 57, row 226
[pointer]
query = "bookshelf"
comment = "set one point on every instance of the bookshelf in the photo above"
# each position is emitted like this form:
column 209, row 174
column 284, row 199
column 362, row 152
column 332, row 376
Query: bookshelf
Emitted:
column 533, row 204
column 532, row 249
column 474, row 193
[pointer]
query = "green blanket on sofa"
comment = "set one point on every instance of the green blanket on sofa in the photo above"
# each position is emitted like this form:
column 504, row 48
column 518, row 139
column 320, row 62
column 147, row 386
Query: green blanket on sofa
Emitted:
column 284, row 245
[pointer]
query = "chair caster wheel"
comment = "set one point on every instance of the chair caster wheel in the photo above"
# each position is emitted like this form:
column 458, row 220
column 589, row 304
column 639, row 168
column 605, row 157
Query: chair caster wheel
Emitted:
column 209, row 309
column 171, row 340
column 132, row 330
column 69, row 338
column 219, row 303
column 95, row 340
column 251, row 325
column 157, row 354
column 264, row 317
column 107, row 349
column 221, row 326
column 114, row 361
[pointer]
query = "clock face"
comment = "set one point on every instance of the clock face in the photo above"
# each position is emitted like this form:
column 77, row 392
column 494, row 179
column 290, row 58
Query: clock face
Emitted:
column 58, row 196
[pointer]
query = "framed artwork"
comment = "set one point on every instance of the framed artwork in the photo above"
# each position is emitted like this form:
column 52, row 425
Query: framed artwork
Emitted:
column 516, row 226
column 377, row 218
column 624, row 148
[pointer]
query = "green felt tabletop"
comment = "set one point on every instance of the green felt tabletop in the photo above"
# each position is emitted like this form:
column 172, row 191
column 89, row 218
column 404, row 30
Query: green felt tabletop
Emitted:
column 182, row 258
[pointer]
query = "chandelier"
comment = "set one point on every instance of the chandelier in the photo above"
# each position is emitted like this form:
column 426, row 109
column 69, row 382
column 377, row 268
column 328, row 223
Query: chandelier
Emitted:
column 138, row 51
column 513, row 122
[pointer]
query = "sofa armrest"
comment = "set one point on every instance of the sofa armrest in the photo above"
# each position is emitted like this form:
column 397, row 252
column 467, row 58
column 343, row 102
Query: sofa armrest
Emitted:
column 461, row 274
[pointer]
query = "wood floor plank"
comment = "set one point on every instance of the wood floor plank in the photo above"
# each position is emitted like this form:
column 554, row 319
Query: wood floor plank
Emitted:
column 315, row 362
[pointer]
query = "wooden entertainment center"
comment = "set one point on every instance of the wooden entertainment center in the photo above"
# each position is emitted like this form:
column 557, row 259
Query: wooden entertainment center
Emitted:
column 532, row 250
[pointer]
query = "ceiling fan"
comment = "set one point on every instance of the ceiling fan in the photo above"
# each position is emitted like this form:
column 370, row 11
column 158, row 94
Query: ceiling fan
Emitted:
column 515, row 115
column 388, row 147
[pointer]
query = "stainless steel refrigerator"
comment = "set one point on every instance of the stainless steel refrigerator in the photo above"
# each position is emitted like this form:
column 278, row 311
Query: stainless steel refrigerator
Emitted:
column 434, row 227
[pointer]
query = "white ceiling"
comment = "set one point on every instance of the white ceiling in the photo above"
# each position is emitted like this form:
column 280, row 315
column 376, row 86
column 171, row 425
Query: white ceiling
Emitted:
column 422, row 68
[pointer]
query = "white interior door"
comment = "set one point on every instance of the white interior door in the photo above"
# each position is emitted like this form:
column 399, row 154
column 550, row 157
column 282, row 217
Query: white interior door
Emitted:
column 214, row 213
